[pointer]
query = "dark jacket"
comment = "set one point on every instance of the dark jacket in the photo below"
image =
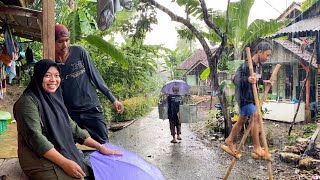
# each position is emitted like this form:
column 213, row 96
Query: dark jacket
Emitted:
column 243, row 91
column 79, row 80
column 174, row 102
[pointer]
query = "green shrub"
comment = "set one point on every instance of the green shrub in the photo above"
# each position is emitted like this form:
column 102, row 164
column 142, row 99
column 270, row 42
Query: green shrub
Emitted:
column 133, row 108
column 292, row 139
column 309, row 129
column 269, row 136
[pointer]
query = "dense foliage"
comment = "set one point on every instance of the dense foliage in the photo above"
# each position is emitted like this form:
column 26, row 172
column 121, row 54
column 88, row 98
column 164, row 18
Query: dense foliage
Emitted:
column 135, row 107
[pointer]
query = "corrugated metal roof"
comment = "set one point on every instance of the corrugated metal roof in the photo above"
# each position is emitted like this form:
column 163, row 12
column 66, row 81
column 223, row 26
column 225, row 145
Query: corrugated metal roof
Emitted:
column 306, row 25
column 295, row 49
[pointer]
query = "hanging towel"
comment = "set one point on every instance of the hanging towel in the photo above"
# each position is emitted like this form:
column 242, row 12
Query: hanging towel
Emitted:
column 11, row 71
column 126, row 4
column 105, row 14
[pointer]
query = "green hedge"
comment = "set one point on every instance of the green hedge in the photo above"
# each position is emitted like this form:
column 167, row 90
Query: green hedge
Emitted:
column 133, row 108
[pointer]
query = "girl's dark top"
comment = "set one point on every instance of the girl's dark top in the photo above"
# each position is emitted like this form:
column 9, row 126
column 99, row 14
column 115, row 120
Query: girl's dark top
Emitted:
column 243, row 91
column 174, row 102
column 54, row 117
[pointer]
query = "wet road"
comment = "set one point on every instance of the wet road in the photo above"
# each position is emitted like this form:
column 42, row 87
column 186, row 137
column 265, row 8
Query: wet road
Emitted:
column 191, row 159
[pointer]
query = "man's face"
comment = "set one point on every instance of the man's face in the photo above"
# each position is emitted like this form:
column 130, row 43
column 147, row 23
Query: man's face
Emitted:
column 62, row 45
column 264, row 55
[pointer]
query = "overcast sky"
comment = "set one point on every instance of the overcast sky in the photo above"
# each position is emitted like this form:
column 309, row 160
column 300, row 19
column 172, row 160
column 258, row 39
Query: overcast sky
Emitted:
column 165, row 32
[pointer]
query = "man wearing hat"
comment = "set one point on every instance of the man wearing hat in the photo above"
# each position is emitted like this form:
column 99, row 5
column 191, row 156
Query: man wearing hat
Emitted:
column 80, row 78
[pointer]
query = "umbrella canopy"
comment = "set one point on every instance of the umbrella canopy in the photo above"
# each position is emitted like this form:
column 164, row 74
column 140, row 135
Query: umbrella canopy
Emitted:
column 184, row 88
column 129, row 166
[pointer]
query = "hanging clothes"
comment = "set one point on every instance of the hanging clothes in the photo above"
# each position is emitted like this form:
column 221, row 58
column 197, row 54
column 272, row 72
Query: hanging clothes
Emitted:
column 11, row 71
column 29, row 55
column 5, row 58
column 126, row 4
column 8, row 41
column 106, row 10
column 2, row 77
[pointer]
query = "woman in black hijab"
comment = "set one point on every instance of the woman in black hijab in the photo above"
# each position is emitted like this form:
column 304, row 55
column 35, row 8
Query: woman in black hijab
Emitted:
column 46, row 134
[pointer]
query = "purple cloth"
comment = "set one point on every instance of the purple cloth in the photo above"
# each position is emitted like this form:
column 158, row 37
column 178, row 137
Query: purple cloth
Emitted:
column 129, row 166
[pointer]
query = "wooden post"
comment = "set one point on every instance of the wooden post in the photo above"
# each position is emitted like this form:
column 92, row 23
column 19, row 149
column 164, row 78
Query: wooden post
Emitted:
column 48, row 23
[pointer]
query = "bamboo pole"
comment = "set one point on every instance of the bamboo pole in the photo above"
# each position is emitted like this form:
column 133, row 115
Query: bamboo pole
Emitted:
column 243, row 140
column 256, row 100
column 246, row 133
column 268, row 87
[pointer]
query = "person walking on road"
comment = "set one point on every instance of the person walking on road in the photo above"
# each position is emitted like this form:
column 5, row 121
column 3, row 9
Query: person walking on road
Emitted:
column 174, row 102
column 80, row 78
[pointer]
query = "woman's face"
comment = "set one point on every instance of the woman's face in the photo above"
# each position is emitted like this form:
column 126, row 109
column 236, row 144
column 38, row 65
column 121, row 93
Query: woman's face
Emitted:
column 51, row 80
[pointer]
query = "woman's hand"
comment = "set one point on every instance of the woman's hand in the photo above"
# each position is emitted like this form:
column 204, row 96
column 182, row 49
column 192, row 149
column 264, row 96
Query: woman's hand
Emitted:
column 72, row 169
column 103, row 150
column 69, row 166
column 107, row 151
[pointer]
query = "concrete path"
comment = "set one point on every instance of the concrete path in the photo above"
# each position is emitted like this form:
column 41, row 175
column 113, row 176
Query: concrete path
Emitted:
column 191, row 159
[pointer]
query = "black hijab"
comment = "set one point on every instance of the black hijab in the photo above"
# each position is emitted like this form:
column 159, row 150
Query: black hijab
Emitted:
column 54, row 115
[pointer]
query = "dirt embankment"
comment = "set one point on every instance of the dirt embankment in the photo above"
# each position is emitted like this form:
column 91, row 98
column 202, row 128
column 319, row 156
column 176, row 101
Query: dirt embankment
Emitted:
column 12, row 94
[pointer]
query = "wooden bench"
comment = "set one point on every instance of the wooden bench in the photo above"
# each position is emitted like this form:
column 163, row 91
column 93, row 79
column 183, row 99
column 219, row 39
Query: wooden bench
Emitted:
column 11, row 168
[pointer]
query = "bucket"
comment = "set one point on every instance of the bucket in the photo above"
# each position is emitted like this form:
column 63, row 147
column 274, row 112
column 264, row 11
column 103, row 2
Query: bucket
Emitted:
column 188, row 113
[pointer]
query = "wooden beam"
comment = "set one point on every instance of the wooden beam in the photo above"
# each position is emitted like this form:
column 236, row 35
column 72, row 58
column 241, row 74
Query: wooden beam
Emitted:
column 35, row 37
column 18, row 11
column 48, row 22
column 23, row 29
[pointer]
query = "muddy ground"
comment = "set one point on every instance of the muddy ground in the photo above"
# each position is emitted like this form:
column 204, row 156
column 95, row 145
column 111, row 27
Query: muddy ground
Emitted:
column 277, row 137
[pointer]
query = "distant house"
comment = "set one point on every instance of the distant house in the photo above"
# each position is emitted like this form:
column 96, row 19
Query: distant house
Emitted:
column 293, row 11
column 193, row 67
column 295, row 54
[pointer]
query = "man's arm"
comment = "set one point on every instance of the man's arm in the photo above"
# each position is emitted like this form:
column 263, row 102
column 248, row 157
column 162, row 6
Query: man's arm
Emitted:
column 95, row 76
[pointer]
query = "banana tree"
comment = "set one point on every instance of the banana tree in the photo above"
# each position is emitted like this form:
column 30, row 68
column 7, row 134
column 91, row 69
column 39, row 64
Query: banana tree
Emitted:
column 307, row 3
column 241, row 33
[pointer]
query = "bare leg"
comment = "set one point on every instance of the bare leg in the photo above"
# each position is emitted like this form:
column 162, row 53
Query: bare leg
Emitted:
column 178, row 137
column 255, row 135
column 234, row 132
column 174, row 139
column 173, row 131
column 178, row 129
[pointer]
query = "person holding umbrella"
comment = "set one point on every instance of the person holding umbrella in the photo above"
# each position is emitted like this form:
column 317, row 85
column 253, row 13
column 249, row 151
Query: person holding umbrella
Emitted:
column 174, row 102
